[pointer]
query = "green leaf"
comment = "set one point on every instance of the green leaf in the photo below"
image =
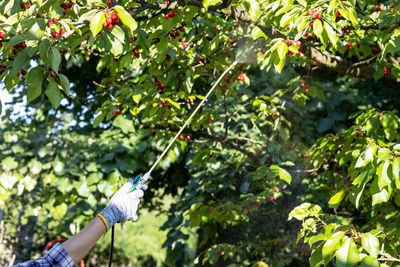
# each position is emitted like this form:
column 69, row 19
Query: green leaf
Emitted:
column 44, row 50
column 99, row 118
column 396, row 171
column 369, row 261
column 282, row 50
column 302, row 2
column 55, row 59
column 96, row 23
column 53, row 93
column 347, row 255
column 9, row 164
column 335, row 200
column 331, row 245
column 34, row 80
column 118, row 33
column 126, row 18
column 20, row 61
column 253, row 9
column 304, row 210
column 383, row 178
column 318, row 29
column 124, row 124
column 282, row 173
column 207, row 3
column 316, row 259
column 371, row 244
column 64, row 83
column 331, row 33
column 379, row 195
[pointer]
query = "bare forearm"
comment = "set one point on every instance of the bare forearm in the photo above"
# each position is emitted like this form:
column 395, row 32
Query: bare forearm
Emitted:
column 80, row 244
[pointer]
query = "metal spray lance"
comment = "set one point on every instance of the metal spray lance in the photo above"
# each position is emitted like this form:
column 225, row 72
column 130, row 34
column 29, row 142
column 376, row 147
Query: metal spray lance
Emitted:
column 139, row 180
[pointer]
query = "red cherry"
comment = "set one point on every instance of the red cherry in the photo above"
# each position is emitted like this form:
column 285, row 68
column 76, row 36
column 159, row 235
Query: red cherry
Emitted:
column 303, row 84
column 359, row 133
column 23, row 6
column 187, row 137
column 54, row 20
column 312, row 25
column 109, row 20
column 2, row 35
column 52, row 74
column 62, row 31
column 167, row 57
column 306, row 90
column 337, row 13
column 314, row 63
column 105, row 24
column 180, row 137
column 175, row 13
column 166, row 16
column 191, row 101
column 23, row 72
column 114, row 16
column 308, row 34
column 49, row 24
column 289, row 43
column 54, row 35
column 310, row 13
column 109, row 26
column 318, row 16
column 306, row 155
column 301, row 54
column 210, row 120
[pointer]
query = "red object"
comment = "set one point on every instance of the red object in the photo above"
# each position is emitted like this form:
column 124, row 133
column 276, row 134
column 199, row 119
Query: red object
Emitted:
column 114, row 16
column 54, row 35
column 2, row 35
column 306, row 90
column 62, row 31
column 54, row 20
column 318, row 16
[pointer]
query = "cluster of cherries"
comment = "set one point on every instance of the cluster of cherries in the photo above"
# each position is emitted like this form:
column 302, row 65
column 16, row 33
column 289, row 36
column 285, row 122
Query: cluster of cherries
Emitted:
column 187, row 137
column 305, row 89
column 241, row 77
column 66, row 6
column 314, row 14
column 111, row 20
column 297, row 44
column 171, row 15
column 55, row 34
column 159, row 84
column 387, row 71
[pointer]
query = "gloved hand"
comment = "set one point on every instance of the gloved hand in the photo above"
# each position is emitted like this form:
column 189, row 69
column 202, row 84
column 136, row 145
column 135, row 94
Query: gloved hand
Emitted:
column 123, row 205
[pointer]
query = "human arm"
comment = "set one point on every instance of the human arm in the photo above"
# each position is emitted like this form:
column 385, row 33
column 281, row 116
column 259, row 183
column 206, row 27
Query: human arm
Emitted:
column 122, row 207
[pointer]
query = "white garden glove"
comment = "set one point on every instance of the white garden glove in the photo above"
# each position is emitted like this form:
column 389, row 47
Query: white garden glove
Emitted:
column 123, row 205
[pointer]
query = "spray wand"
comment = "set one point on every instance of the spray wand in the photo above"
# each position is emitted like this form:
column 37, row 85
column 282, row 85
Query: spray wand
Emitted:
column 140, row 180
